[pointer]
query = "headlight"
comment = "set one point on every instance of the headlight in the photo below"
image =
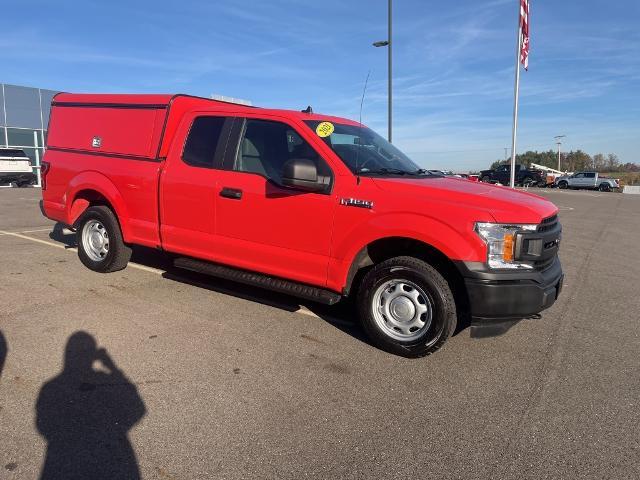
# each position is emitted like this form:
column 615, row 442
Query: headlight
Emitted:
column 501, row 243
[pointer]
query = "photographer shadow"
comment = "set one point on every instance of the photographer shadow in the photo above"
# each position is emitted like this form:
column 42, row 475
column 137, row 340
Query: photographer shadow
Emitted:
column 3, row 352
column 85, row 415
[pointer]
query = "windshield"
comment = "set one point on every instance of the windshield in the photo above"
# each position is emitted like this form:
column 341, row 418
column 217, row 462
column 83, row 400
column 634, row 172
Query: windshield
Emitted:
column 364, row 151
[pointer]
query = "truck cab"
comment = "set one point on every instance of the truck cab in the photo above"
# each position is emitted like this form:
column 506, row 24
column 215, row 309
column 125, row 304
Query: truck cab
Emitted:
column 312, row 205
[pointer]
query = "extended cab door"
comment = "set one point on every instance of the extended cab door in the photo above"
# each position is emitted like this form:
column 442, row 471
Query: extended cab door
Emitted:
column 188, row 185
column 262, row 225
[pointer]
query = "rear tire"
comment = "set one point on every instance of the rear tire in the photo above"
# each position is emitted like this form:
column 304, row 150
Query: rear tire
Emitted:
column 604, row 187
column 485, row 179
column 99, row 239
column 563, row 185
column 406, row 307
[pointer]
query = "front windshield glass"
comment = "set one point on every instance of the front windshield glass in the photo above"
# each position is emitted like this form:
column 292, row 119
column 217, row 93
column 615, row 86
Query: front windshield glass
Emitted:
column 364, row 151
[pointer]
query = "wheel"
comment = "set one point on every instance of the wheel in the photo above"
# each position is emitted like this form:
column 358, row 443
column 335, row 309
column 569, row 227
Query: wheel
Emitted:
column 604, row 187
column 528, row 182
column 485, row 179
column 406, row 307
column 563, row 184
column 100, row 244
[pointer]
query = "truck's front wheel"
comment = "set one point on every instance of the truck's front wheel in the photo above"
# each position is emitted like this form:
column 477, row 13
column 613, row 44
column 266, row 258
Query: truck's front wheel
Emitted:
column 100, row 244
column 406, row 307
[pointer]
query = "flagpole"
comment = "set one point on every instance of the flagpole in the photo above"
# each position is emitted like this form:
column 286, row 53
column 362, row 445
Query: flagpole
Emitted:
column 516, row 96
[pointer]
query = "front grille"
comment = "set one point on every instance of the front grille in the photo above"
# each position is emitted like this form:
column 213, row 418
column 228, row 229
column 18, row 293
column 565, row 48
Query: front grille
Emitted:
column 548, row 224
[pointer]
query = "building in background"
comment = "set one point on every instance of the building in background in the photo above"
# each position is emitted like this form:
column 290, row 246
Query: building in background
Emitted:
column 24, row 115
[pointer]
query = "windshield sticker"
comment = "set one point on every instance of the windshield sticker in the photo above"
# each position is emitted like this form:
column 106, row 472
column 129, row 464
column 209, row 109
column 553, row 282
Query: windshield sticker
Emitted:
column 324, row 129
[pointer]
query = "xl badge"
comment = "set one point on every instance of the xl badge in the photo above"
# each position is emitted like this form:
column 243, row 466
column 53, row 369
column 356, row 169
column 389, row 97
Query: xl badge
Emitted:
column 96, row 142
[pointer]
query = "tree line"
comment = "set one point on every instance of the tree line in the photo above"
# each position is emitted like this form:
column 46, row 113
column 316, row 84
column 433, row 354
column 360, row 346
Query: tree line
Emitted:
column 574, row 161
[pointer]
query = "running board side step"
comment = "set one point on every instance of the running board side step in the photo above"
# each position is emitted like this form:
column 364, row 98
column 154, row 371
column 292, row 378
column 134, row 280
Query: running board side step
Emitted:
column 280, row 285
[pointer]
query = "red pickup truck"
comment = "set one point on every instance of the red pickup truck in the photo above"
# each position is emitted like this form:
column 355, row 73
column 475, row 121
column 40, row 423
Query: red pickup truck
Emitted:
column 311, row 205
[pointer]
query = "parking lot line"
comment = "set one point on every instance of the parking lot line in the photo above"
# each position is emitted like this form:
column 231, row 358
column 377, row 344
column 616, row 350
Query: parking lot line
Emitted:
column 73, row 249
column 302, row 310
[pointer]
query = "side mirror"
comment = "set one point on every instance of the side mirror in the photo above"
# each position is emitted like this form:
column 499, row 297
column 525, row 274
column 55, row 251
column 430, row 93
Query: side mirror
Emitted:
column 301, row 173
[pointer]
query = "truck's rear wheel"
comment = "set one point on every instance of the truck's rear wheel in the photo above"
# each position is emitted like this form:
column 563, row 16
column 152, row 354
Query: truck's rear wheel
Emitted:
column 604, row 187
column 100, row 244
column 406, row 307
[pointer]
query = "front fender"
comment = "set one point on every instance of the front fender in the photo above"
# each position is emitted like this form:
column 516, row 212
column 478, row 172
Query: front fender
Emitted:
column 454, row 244
column 97, row 182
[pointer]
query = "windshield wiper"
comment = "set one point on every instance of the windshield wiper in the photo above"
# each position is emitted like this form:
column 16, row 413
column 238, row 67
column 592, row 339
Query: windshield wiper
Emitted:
column 422, row 171
column 384, row 171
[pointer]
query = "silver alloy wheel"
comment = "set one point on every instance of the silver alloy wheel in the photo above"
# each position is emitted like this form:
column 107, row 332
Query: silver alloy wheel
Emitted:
column 402, row 310
column 95, row 240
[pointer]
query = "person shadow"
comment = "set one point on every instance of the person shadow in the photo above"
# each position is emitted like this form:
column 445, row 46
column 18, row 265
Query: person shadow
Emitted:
column 85, row 414
column 3, row 352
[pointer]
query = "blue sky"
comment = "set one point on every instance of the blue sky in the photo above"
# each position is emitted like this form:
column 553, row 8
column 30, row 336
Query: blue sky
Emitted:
column 453, row 64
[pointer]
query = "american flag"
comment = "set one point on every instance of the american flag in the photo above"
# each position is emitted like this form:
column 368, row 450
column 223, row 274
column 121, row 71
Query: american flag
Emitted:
column 524, row 41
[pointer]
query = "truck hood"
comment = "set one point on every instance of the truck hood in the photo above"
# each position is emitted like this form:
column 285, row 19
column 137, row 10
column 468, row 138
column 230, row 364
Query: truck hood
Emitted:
column 503, row 203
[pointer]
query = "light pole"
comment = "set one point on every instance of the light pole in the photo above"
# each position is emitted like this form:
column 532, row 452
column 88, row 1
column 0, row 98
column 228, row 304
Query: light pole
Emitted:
column 559, row 143
column 387, row 43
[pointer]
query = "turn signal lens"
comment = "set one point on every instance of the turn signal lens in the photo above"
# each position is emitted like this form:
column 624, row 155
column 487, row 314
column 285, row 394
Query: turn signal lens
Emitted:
column 508, row 247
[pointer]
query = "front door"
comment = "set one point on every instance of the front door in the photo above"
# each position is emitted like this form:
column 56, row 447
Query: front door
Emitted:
column 262, row 225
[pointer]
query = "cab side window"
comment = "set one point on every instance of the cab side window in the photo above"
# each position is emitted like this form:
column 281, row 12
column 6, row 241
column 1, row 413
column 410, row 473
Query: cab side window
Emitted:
column 265, row 147
column 205, row 136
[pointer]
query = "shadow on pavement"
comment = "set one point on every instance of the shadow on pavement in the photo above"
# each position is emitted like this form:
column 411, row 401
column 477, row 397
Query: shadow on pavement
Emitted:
column 85, row 414
column 3, row 352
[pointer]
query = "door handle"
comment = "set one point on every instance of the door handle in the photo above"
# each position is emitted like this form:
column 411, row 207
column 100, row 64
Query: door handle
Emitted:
column 232, row 193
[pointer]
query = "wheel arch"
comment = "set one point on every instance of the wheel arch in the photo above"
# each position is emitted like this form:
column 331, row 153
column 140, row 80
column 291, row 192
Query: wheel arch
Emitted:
column 388, row 247
column 90, row 189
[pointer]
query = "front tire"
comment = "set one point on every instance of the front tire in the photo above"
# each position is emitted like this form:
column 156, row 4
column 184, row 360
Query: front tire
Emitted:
column 563, row 185
column 406, row 307
column 100, row 244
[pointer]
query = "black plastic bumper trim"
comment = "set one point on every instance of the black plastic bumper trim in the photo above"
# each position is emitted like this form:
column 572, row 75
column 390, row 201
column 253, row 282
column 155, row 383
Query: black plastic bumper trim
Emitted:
column 510, row 295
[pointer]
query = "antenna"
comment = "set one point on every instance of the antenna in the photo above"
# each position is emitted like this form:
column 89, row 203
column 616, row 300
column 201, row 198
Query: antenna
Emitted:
column 364, row 91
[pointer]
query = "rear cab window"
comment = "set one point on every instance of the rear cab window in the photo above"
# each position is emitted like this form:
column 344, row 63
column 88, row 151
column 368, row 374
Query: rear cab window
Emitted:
column 206, row 141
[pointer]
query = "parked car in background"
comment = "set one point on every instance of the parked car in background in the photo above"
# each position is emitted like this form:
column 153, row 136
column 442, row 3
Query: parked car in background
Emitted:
column 587, row 180
column 467, row 176
column 15, row 168
column 525, row 177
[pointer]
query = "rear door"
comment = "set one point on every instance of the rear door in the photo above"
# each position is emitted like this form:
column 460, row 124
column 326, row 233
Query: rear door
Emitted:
column 590, row 179
column 189, row 185
column 263, row 226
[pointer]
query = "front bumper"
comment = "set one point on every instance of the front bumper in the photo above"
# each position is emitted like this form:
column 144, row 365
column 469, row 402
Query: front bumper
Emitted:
column 497, row 299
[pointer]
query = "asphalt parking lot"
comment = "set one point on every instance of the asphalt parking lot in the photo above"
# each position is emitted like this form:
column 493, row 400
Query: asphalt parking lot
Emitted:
column 201, row 378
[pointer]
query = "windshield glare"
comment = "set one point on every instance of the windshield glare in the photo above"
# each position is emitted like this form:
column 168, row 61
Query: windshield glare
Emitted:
column 364, row 151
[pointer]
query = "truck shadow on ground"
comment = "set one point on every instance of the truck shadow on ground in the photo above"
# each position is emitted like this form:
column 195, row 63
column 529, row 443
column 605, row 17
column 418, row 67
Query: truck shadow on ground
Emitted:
column 85, row 415
column 342, row 316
